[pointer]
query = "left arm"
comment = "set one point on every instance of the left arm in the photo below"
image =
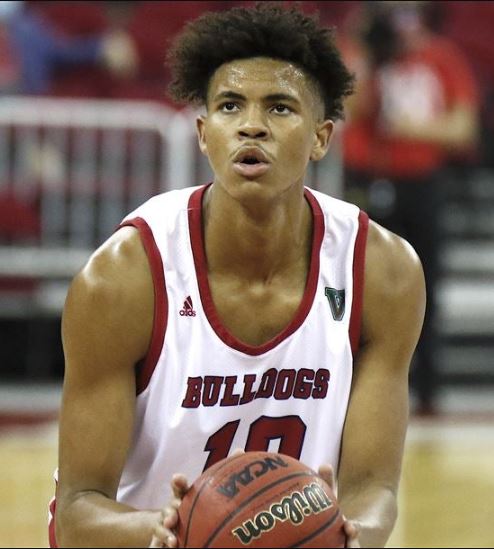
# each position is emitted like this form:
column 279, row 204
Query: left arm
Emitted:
column 456, row 128
column 375, row 428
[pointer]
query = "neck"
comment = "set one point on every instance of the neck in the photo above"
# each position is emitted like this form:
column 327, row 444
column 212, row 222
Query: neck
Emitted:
column 256, row 239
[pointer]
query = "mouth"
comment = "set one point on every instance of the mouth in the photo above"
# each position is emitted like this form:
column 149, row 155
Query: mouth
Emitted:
column 251, row 162
column 251, row 156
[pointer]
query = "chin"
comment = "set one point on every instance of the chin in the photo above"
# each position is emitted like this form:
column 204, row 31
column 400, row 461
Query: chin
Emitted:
column 260, row 196
column 261, row 189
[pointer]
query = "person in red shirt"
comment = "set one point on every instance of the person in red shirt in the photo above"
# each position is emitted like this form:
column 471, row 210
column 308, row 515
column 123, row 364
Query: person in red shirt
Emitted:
column 10, row 69
column 416, row 108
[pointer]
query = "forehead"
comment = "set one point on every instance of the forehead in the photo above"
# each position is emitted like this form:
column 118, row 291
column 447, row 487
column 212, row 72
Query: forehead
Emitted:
column 260, row 76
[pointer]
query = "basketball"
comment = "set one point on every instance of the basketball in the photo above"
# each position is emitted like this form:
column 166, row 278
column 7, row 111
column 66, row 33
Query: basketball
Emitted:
column 260, row 499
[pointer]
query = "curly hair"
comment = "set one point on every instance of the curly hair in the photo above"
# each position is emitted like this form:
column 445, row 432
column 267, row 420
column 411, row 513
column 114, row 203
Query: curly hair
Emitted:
column 266, row 30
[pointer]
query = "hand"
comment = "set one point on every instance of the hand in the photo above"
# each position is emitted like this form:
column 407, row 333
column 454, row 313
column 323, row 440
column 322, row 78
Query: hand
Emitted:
column 164, row 535
column 120, row 55
column 351, row 527
column 405, row 127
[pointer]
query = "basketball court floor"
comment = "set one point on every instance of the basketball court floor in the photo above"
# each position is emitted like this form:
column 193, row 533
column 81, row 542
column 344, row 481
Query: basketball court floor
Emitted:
column 446, row 494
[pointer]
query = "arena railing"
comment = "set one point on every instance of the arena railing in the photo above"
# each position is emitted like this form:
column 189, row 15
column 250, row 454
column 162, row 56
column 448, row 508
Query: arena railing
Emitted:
column 79, row 166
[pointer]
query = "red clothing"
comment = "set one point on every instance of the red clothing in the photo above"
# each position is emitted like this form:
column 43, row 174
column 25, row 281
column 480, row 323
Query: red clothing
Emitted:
column 421, row 85
column 70, row 22
column 9, row 65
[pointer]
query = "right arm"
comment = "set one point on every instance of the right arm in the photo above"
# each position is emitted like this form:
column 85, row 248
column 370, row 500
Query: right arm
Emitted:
column 106, row 330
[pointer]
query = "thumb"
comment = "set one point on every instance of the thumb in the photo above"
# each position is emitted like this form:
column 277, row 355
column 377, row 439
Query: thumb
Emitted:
column 352, row 531
column 326, row 472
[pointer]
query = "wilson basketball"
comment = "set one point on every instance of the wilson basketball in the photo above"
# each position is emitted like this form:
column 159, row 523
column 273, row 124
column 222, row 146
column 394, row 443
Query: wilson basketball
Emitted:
column 260, row 499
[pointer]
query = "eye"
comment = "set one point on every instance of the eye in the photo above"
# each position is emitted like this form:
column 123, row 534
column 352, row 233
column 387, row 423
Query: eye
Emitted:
column 229, row 107
column 281, row 109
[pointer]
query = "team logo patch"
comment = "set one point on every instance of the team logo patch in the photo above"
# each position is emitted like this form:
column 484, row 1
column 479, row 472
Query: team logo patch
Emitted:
column 336, row 300
column 188, row 309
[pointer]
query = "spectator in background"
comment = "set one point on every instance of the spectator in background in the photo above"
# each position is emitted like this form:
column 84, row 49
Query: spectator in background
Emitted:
column 47, row 49
column 152, row 26
column 416, row 106
column 9, row 63
column 111, row 49
column 469, row 25
column 100, row 49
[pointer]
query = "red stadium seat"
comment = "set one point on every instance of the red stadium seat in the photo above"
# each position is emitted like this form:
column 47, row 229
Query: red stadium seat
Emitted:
column 75, row 19
column 18, row 220
column 19, row 223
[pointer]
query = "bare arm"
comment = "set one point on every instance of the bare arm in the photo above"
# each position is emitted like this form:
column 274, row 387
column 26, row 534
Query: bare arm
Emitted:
column 106, row 329
column 374, row 434
column 454, row 129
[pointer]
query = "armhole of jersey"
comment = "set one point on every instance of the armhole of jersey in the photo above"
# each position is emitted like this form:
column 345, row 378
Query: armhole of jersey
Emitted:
column 52, row 507
column 145, row 371
column 52, row 540
column 358, row 281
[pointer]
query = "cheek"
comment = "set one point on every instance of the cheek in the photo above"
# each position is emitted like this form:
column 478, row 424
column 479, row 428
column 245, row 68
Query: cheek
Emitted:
column 216, row 141
column 296, row 145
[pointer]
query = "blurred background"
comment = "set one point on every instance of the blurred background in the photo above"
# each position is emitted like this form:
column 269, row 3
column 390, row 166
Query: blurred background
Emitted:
column 87, row 133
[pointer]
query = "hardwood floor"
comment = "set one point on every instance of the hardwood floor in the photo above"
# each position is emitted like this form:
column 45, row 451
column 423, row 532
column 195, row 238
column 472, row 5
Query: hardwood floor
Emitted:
column 28, row 457
column 447, row 488
column 446, row 495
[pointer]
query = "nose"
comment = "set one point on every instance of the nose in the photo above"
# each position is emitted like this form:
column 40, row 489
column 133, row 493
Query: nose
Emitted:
column 252, row 132
column 253, row 126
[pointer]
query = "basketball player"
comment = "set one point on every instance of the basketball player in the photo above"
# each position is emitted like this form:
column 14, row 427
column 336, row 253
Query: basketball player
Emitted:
column 250, row 313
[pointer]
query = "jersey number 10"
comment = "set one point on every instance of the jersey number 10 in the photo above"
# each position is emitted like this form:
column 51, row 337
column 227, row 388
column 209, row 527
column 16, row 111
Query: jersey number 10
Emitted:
column 289, row 429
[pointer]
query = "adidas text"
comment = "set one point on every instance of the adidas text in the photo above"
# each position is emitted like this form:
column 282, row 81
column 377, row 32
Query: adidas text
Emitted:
column 187, row 312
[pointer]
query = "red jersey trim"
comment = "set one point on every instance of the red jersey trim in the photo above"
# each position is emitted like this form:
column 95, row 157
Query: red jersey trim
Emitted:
column 51, row 524
column 197, row 243
column 145, row 371
column 358, row 281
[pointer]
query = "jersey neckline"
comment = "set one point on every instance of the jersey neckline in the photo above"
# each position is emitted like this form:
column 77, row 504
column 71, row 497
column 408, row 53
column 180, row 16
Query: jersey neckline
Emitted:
column 198, row 252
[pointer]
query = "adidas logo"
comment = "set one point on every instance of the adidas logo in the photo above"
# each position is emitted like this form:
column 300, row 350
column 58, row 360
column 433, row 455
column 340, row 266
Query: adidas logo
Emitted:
column 188, row 309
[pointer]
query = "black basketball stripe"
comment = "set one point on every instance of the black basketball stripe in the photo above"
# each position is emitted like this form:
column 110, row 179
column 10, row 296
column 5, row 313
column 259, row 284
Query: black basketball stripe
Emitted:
column 254, row 496
column 199, row 493
column 318, row 531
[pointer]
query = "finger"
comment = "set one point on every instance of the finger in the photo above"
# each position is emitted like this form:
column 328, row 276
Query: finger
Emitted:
column 179, row 485
column 155, row 542
column 175, row 503
column 352, row 531
column 171, row 519
column 171, row 541
column 163, row 537
column 326, row 472
column 352, row 543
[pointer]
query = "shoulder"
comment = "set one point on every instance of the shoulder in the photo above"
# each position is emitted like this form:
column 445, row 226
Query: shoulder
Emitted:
column 162, row 207
column 113, row 294
column 394, row 289
column 391, row 258
column 118, row 267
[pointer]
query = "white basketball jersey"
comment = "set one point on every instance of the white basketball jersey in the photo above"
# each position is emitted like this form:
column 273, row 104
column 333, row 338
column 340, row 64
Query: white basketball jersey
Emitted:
column 202, row 393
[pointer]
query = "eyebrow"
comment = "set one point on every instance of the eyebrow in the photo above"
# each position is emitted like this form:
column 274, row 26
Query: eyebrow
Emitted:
column 272, row 97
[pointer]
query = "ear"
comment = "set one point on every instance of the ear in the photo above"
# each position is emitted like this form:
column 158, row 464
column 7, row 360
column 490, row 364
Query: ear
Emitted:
column 322, row 140
column 201, row 133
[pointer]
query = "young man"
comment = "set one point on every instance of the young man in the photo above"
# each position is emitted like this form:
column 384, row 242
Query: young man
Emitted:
column 240, row 313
